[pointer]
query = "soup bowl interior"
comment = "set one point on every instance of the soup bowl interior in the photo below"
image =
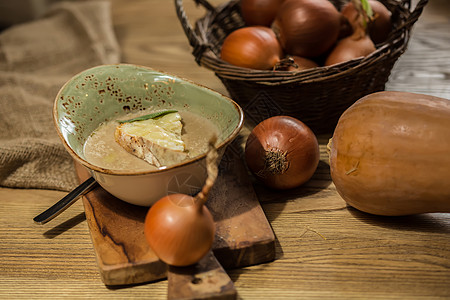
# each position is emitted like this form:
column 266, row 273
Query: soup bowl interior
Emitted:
column 108, row 92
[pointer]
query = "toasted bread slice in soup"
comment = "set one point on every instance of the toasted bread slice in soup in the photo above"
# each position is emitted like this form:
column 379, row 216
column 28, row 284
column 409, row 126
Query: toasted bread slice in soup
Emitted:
column 157, row 141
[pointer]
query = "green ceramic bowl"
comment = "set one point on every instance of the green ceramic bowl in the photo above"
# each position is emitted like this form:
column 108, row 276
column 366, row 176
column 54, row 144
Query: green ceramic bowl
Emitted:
column 105, row 92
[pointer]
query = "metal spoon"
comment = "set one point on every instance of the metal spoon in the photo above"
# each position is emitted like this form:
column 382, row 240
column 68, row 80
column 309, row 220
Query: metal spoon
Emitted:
column 65, row 202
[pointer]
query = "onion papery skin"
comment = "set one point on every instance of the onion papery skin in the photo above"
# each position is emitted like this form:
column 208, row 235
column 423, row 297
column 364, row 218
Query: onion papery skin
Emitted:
column 381, row 25
column 346, row 28
column 296, row 64
column 259, row 12
column 282, row 152
column 378, row 27
column 254, row 47
column 178, row 230
column 352, row 47
column 389, row 154
column 302, row 63
column 307, row 28
column 354, row 17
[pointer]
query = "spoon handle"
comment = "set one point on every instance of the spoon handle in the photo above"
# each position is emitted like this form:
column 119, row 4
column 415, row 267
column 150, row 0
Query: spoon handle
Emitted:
column 65, row 202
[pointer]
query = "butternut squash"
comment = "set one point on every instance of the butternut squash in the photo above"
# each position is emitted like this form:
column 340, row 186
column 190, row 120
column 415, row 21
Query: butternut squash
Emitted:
column 390, row 154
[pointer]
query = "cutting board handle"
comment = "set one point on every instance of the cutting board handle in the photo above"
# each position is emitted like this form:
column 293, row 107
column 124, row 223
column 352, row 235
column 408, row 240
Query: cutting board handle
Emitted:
column 204, row 280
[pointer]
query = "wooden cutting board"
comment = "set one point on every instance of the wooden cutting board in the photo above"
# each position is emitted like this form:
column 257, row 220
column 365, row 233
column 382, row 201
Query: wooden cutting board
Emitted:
column 243, row 235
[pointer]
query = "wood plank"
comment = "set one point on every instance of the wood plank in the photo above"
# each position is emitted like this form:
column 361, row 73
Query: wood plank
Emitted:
column 204, row 280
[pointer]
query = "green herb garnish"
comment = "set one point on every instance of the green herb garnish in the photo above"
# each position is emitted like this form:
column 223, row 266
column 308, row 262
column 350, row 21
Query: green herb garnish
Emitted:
column 149, row 116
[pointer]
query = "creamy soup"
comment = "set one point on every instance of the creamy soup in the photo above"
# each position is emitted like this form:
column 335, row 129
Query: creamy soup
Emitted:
column 102, row 150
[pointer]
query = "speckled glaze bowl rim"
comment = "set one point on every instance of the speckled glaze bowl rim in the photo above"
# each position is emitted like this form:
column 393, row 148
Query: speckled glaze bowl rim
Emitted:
column 85, row 163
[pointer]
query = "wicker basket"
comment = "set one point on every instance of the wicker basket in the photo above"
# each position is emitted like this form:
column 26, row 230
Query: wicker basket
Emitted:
column 317, row 96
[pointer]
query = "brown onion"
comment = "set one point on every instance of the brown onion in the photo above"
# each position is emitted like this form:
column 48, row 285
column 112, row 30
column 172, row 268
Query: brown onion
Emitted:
column 179, row 228
column 354, row 15
column 259, row 12
column 295, row 63
column 307, row 28
column 282, row 152
column 345, row 29
column 355, row 46
column 254, row 47
column 380, row 25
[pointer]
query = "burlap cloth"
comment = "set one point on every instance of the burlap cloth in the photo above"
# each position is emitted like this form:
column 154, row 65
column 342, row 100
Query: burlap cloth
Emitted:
column 36, row 59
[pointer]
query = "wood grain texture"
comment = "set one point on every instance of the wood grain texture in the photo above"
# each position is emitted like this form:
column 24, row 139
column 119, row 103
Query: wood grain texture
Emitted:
column 205, row 280
column 324, row 249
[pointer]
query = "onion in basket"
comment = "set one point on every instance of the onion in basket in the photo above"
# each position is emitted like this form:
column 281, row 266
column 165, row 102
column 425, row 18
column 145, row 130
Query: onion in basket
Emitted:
column 259, row 12
column 357, row 45
column 254, row 47
column 307, row 28
column 381, row 25
column 375, row 19
column 295, row 63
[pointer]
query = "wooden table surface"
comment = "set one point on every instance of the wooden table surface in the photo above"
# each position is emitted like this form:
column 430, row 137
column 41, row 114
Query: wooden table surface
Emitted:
column 324, row 248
